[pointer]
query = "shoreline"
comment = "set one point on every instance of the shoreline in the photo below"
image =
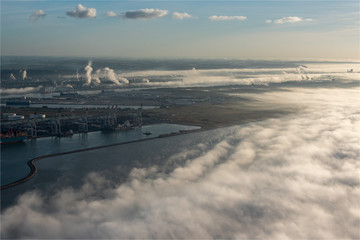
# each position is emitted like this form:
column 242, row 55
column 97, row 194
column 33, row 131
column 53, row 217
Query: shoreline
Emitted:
column 203, row 127
column 34, row 170
column 206, row 116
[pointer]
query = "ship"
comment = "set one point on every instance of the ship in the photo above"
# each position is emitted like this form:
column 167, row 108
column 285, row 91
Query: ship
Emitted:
column 13, row 137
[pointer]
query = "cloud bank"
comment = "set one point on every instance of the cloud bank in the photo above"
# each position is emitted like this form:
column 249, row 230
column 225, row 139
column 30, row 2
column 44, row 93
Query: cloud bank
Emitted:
column 226, row 18
column 181, row 16
column 294, row 177
column 37, row 15
column 82, row 12
column 145, row 14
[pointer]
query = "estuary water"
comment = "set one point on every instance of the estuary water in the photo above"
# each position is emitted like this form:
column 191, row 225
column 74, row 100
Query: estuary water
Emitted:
column 15, row 156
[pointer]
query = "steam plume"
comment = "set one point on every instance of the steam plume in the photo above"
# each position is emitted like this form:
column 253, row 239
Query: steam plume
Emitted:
column 12, row 77
column 88, row 70
column 110, row 75
column 96, row 76
column 24, row 75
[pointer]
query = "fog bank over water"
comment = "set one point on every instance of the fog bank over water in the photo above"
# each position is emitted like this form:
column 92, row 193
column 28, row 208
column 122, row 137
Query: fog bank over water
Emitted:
column 287, row 178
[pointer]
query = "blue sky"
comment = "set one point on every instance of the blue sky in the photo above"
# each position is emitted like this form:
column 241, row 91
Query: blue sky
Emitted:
column 240, row 29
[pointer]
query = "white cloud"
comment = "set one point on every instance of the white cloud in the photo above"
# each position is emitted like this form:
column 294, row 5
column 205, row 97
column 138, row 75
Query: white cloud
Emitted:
column 263, row 180
column 148, row 13
column 180, row 16
column 82, row 12
column 37, row 15
column 225, row 18
column 110, row 14
column 288, row 20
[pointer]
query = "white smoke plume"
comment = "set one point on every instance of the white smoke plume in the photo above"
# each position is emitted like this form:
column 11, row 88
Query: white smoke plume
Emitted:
column 12, row 77
column 108, row 74
column 294, row 177
column 96, row 76
column 24, row 75
column 88, row 70
column 102, row 75
column 111, row 76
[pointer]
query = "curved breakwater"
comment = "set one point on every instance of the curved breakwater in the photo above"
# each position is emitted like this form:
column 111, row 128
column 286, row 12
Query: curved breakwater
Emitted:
column 34, row 170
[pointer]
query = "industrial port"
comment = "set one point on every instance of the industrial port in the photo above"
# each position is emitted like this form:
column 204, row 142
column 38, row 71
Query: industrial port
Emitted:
column 68, row 113
column 44, row 122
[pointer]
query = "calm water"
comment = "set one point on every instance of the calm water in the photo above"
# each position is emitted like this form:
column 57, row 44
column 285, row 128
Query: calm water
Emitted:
column 114, row 163
column 15, row 156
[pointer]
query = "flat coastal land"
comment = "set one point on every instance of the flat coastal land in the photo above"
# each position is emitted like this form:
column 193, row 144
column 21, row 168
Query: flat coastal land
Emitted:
column 205, row 107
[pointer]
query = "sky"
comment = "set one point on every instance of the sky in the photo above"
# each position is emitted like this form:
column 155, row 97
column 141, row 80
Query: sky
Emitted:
column 182, row 29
